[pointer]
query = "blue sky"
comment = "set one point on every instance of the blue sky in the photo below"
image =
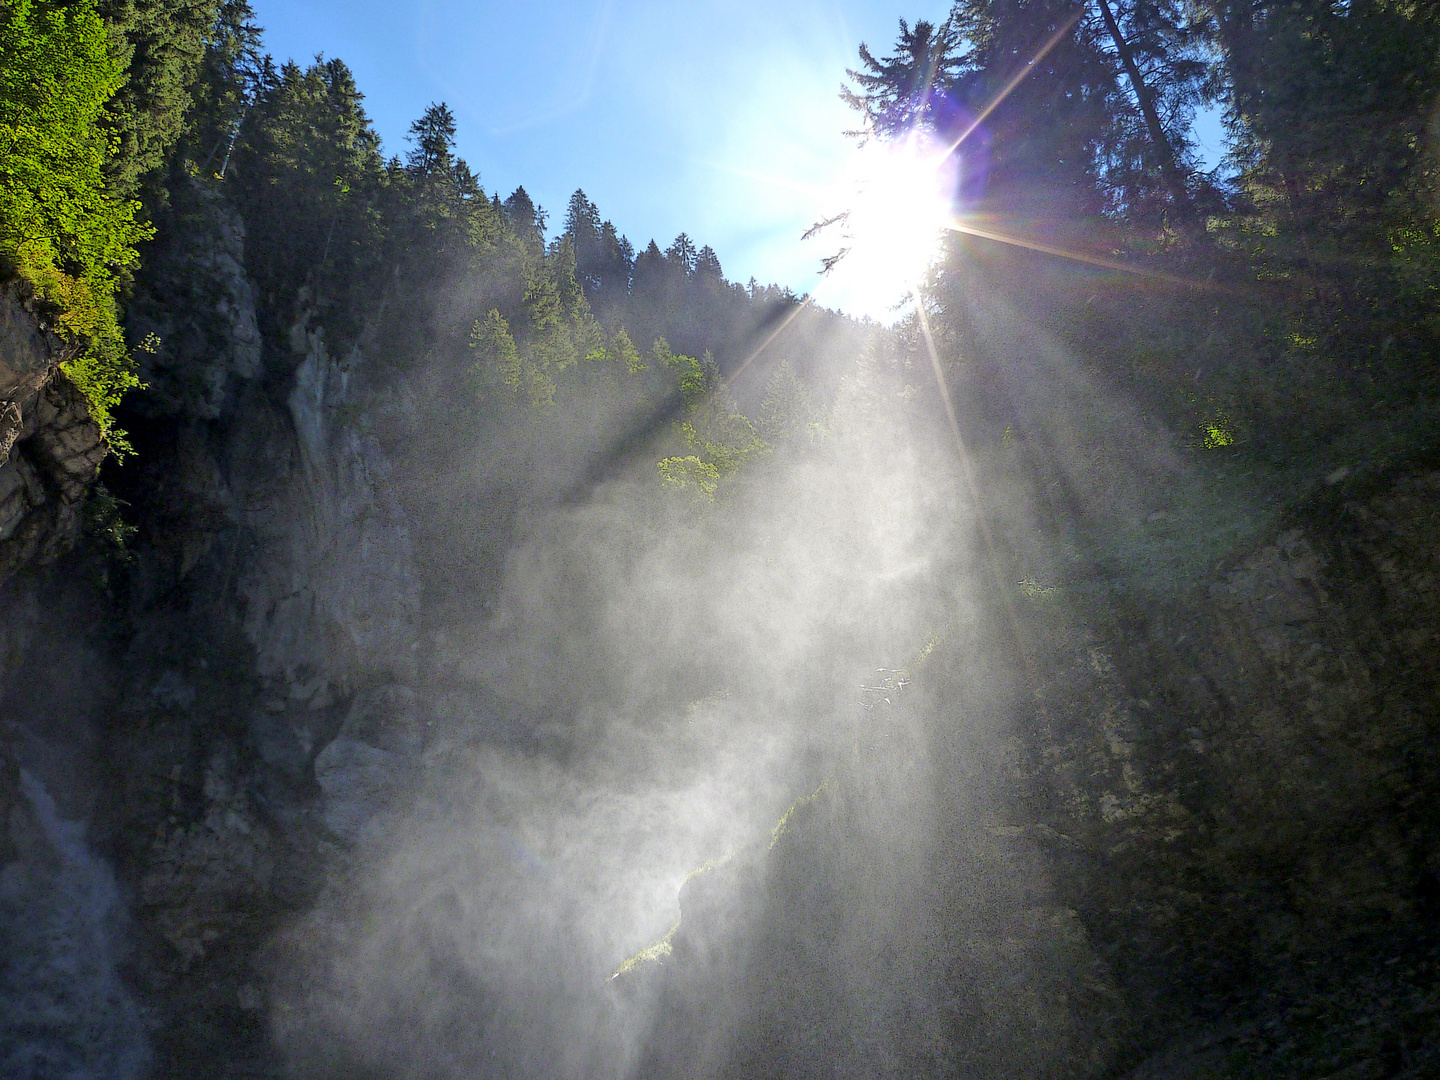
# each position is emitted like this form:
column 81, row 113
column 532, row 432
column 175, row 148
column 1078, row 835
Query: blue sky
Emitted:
column 718, row 119
column 721, row 120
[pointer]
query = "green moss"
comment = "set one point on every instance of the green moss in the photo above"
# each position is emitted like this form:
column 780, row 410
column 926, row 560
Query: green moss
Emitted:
column 657, row 951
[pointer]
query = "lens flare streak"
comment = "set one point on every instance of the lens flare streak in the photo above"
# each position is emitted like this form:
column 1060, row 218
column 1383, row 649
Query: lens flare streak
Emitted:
column 959, row 226
column 1018, row 78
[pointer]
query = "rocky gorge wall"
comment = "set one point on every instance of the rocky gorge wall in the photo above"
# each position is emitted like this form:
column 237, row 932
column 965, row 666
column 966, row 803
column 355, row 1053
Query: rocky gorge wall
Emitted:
column 1211, row 822
column 50, row 449
column 200, row 720
column 1230, row 769
column 1212, row 812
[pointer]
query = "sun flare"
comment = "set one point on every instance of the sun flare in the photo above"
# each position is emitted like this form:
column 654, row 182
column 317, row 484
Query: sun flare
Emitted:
column 898, row 201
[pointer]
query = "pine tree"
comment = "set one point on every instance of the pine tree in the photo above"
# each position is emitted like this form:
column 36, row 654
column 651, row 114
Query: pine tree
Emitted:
column 616, row 266
column 650, row 266
column 1157, row 46
column 231, row 78
column 680, row 256
column 307, row 175
column 901, row 91
column 1329, row 112
column 582, row 228
column 527, row 219
column 433, row 136
column 707, row 265
column 161, row 44
column 603, row 258
column 787, row 408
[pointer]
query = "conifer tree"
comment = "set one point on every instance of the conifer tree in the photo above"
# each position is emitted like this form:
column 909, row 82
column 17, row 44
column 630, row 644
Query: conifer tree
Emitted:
column 680, row 256
column 161, row 44
column 649, row 273
column 603, row 258
column 433, row 139
column 230, row 81
column 615, row 266
column 1159, row 34
column 306, row 174
column 707, row 265
column 897, row 92
column 527, row 219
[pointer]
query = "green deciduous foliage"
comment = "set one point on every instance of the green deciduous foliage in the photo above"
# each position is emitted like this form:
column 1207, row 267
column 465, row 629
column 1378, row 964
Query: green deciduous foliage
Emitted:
column 62, row 225
column 690, row 473
column 711, row 427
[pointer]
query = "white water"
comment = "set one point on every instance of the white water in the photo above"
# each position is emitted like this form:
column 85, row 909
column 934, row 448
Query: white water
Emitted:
column 64, row 1012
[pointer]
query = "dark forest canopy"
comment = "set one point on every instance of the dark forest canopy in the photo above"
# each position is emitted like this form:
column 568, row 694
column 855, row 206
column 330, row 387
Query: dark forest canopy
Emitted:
column 1078, row 122
column 1314, row 250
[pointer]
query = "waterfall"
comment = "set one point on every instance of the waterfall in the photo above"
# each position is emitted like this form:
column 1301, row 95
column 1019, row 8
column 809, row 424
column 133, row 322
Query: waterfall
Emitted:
column 64, row 1011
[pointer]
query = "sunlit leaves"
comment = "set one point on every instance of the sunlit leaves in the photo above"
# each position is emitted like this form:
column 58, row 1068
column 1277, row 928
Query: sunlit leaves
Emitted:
column 711, row 425
column 61, row 225
column 689, row 473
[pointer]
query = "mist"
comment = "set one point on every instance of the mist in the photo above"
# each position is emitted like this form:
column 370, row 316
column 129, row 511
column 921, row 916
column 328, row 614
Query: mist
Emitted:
column 719, row 785
column 442, row 637
column 654, row 681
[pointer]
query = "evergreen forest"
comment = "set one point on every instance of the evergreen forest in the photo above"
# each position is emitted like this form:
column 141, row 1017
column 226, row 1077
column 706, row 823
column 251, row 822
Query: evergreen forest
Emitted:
column 412, row 597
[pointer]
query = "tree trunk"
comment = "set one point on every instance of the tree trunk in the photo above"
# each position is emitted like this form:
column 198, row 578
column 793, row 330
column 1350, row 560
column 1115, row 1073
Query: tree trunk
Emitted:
column 1169, row 168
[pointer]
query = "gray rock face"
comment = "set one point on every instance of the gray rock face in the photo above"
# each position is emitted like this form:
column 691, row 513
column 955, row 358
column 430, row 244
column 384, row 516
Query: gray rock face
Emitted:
column 362, row 769
column 50, row 449
column 28, row 349
column 331, row 590
column 61, row 933
column 198, row 303
column 249, row 703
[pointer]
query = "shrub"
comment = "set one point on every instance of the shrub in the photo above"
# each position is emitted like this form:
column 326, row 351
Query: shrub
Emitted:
column 61, row 226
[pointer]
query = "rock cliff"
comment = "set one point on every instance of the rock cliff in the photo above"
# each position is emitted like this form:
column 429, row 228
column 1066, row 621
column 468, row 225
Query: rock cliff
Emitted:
column 1212, row 817
column 215, row 708
column 50, row 449
column 1194, row 832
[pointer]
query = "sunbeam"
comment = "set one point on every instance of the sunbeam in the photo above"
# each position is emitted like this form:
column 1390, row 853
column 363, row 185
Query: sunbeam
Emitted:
column 524, row 646
column 898, row 203
column 1019, row 77
column 966, row 228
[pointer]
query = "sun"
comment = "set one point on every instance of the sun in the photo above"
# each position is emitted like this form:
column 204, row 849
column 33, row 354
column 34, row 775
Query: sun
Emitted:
column 898, row 200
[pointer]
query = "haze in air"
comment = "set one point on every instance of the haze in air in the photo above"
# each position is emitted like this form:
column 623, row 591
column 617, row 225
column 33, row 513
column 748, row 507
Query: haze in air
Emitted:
column 964, row 606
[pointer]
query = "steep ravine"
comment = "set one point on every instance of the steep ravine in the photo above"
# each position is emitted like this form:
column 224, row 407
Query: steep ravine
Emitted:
column 50, row 450
column 1212, row 810
column 220, row 707
column 1212, row 819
